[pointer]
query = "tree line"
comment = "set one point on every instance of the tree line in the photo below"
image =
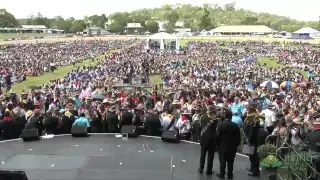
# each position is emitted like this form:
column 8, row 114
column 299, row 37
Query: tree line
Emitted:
column 207, row 17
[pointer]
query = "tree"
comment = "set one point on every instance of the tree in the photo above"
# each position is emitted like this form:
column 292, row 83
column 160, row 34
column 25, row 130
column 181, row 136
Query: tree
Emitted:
column 7, row 19
column 152, row 26
column 205, row 21
column 119, row 21
column 250, row 21
column 172, row 17
column 77, row 26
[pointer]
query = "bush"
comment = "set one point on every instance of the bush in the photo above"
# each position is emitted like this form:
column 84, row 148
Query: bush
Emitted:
column 299, row 165
column 265, row 150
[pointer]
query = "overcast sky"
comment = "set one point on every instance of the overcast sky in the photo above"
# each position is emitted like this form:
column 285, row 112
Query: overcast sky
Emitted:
column 302, row 10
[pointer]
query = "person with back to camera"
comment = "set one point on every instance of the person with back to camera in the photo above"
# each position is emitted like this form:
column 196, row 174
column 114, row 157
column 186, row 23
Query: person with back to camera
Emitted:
column 251, row 129
column 208, row 123
column 228, row 141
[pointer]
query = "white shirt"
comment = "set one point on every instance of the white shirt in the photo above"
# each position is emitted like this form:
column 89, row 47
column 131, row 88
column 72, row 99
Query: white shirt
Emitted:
column 270, row 117
column 183, row 126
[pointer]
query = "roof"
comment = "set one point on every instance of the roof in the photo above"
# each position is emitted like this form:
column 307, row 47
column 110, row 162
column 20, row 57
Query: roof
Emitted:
column 243, row 29
column 34, row 26
column 134, row 25
column 162, row 35
column 307, row 30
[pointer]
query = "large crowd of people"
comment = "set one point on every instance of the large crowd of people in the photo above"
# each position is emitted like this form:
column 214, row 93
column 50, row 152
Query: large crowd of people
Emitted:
column 204, row 83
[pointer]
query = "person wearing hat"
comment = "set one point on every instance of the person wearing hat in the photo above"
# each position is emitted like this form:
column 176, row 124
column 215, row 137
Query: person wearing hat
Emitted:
column 184, row 125
column 251, row 129
column 228, row 140
column 112, row 120
column 126, row 115
column 51, row 123
column 196, row 129
column 269, row 118
column 35, row 121
column 208, row 124
column 175, row 106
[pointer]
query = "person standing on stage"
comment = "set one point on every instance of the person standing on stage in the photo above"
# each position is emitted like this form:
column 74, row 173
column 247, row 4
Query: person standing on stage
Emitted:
column 251, row 129
column 228, row 141
column 208, row 124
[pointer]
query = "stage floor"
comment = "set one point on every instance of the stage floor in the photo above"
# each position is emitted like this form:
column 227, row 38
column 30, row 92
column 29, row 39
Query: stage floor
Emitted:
column 107, row 157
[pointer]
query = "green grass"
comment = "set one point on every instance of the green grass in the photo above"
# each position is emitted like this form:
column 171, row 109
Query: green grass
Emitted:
column 24, row 35
column 46, row 77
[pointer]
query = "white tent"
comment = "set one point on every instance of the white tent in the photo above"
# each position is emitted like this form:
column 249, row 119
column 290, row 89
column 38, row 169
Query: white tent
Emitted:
column 161, row 37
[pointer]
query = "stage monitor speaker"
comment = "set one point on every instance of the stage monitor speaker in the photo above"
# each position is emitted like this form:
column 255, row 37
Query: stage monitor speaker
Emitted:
column 125, row 81
column 131, row 130
column 143, row 80
column 30, row 134
column 13, row 175
column 79, row 131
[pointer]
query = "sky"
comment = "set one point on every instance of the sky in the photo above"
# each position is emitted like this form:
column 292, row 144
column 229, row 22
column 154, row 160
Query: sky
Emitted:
column 297, row 9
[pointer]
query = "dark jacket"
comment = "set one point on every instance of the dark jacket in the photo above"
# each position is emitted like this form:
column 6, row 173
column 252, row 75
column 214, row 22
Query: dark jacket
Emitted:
column 228, row 138
column 153, row 125
column 127, row 118
column 51, row 124
column 210, row 133
column 312, row 139
column 113, row 122
column 251, row 130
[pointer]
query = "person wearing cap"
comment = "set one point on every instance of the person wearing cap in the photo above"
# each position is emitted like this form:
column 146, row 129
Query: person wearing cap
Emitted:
column 228, row 140
column 184, row 125
column 251, row 129
column 35, row 121
column 208, row 123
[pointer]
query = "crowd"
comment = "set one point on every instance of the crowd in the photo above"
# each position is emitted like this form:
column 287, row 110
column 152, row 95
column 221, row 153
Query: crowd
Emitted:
column 18, row 61
column 205, row 83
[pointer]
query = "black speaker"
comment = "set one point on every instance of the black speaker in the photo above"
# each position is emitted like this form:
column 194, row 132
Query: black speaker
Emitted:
column 125, row 81
column 131, row 130
column 143, row 80
column 79, row 131
column 30, row 134
column 13, row 175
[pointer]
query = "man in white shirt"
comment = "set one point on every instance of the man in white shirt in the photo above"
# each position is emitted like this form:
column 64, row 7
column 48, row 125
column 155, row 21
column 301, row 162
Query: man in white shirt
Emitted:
column 270, row 118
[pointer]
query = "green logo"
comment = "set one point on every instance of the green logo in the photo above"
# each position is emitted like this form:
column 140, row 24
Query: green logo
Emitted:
column 270, row 162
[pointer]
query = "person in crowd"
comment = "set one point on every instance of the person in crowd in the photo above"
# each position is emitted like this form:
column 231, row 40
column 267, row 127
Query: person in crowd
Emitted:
column 183, row 125
column 82, row 121
column 208, row 139
column 112, row 120
column 270, row 118
column 50, row 123
column 251, row 130
column 228, row 141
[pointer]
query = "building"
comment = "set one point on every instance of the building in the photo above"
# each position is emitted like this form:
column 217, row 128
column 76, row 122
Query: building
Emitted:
column 31, row 29
column 244, row 30
column 96, row 31
column 307, row 31
column 133, row 28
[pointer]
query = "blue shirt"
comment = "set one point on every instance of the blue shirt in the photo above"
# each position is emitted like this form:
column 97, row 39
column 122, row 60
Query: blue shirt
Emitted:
column 237, row 120
column 237, row 108
column 77, row 102
column 82, row 122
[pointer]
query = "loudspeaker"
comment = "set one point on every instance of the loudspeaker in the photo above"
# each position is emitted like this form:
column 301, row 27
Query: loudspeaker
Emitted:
column 143, row 80
column 131, row 130
column 125, row 81
column 13, row 175
column 79, row 131
column 30, row 134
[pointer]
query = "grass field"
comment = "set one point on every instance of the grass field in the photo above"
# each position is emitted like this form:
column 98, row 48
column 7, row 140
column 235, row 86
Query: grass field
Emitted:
column 24, row 35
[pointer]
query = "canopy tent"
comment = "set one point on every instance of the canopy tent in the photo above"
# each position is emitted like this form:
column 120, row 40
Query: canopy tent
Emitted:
column 163, row 36
column 306, row 30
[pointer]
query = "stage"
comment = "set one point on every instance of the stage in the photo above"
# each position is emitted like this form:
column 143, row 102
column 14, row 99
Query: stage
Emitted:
column 106, row 157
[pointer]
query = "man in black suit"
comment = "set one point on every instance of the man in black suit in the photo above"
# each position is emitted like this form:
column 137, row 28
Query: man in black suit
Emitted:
column 228, row 141
column 208, row 123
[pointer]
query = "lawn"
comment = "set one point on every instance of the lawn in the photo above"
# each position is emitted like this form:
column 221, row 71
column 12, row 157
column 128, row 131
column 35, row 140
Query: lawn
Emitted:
column 24, row 35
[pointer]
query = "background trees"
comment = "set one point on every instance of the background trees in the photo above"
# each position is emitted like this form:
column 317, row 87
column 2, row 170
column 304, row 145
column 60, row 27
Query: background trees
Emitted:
column 198, row 18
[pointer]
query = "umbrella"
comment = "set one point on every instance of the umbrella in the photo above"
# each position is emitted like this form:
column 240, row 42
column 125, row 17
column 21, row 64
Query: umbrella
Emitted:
column 269, row 84
column 98, row 96
column 288, row 84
